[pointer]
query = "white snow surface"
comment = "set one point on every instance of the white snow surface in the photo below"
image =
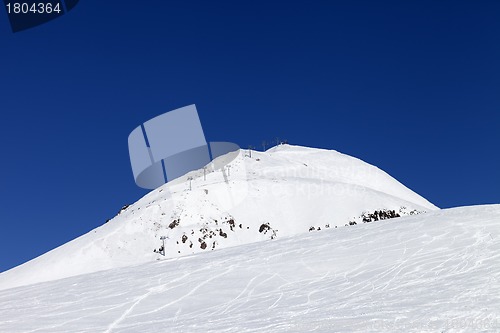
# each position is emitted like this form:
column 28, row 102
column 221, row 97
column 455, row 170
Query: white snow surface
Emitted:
column 289, row 188
column 432, row 272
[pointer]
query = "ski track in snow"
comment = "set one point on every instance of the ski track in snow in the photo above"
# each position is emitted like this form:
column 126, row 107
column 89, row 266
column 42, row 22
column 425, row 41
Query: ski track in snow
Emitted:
column 434, row 272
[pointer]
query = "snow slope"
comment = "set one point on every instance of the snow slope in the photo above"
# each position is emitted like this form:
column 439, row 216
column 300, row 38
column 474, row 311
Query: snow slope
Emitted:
column 433, row 272
column 284, row 191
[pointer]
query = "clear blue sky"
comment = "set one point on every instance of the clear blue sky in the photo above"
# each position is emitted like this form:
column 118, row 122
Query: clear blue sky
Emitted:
column 412, row 87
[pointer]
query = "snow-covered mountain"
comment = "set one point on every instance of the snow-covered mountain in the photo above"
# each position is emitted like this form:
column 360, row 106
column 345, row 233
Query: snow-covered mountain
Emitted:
column 239, row 198
column 433, row 272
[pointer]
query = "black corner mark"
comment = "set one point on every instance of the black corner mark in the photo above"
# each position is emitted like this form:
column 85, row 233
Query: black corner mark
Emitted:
column 25, row 14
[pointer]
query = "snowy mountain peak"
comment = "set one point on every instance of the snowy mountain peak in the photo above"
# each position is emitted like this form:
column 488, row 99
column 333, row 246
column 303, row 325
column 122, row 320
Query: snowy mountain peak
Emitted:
column 242, row 197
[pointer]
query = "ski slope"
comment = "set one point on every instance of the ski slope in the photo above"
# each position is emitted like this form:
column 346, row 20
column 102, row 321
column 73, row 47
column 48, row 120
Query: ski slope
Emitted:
column 433, row 272
column 237, row 199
